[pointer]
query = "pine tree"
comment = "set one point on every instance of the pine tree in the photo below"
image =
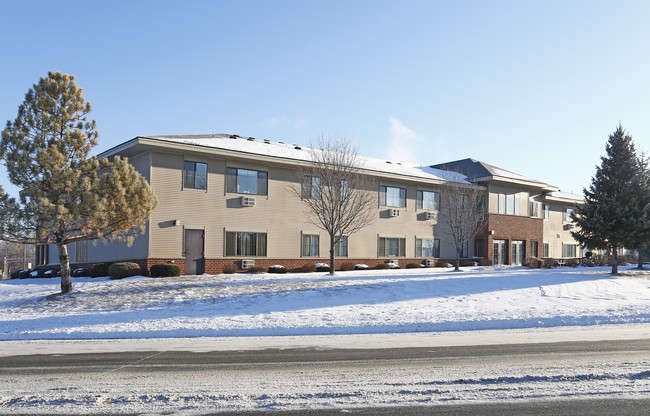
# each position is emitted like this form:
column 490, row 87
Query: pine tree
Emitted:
column 613, row 211
column 66, row 195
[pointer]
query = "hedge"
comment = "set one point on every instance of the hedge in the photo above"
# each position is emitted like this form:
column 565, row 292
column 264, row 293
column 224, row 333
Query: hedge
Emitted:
column 100, row 269
column 165, row 270
column 122, row 270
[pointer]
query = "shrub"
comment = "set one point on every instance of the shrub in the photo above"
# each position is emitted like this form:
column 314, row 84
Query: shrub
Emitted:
column 601, row 260
column 532, row 263
column 322, row 267
column 588, row 263
column 256, row 269
column 382, row 266
column 412, row 266
column 165, row 270
column 572, row 263
column 51, row 272
column 277, row 268
column 308, row 268
column 485, row 262
column 25, row 274
column 228, row 269
column 361, row 267
column 15, row 274
column 549, row 263
column 100, row 269
column 81, row 272
column 122, row 270
column 347, row 266
column 467, row 263
column 442, row 263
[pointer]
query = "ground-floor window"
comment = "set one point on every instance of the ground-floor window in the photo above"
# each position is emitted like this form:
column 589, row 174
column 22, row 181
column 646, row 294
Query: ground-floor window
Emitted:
column 569, row 250
column 341, row 248
column 534, row 248
column 480, row 248
column 391, row 247
column 42, row 254
column 245, row 244
column 425, row 247
column 310, row 245
column 464, row 252
column 81, row 251
column 546, row 250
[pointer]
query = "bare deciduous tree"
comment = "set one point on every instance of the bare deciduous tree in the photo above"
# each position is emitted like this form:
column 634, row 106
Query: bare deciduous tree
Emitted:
column 337, row 196
column 462, row 211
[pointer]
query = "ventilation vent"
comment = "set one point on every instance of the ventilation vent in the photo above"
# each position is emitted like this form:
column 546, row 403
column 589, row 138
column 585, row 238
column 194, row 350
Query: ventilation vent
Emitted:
column 247, row 264
column 393, row 212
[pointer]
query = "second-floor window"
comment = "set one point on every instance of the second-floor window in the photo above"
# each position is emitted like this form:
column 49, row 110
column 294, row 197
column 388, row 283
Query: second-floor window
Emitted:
column 246, row 181
column 311, row 187
column 567, row 215
column 428, row 200
column 534, row 209
column 391, row 196
column 546, row 210
column 195, row 175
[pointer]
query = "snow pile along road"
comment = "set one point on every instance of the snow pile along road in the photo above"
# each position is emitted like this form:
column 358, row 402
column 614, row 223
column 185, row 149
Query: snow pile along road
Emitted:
column 355, row 302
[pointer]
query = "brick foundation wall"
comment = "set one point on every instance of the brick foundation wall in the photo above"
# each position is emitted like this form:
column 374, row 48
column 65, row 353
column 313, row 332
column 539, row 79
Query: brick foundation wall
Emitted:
column 513, row 227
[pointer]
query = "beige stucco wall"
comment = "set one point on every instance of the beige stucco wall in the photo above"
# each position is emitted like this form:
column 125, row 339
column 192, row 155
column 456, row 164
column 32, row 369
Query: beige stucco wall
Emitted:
column 557, row 232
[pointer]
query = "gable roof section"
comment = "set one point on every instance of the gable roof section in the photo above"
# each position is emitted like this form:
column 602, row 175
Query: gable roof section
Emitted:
column 479, row 171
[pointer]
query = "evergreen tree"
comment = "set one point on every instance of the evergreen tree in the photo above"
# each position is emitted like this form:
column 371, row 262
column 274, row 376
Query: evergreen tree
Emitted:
column 613, row 211
column 66, row 195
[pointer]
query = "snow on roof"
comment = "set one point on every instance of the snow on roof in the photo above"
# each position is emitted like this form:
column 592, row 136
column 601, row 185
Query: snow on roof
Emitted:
column 510, row 175
column 297, row 152
column 566, row 195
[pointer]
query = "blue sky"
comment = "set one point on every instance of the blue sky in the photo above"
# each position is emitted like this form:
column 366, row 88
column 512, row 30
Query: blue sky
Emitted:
column 532, row 87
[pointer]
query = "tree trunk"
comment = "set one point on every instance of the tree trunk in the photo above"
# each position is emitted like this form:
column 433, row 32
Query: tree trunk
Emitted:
column 615, row 260
column 331, row 256
column 640, row 259
column 457, row 260
column 64, row 261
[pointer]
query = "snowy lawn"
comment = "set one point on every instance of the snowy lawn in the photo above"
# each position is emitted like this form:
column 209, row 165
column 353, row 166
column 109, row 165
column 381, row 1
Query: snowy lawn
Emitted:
column 355, row 302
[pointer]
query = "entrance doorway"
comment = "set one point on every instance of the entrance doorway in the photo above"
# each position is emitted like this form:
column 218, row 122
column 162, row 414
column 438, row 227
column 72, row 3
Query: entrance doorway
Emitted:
column 499, row 253
column 518, row 250
column 194, row 260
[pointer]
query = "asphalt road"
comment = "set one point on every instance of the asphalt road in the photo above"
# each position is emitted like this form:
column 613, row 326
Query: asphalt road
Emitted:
column 585, row 378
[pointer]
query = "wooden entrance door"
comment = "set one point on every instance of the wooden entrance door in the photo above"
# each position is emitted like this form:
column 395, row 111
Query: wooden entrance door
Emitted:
column 194, row 260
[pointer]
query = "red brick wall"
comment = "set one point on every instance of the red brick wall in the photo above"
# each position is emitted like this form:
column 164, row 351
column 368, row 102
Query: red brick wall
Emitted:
column 514, row 227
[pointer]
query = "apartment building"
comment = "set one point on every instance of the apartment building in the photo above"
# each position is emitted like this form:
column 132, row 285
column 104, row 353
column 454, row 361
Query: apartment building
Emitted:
column 226, row 199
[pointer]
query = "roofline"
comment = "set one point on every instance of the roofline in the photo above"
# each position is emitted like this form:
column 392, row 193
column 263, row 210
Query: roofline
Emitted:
column 155, row 142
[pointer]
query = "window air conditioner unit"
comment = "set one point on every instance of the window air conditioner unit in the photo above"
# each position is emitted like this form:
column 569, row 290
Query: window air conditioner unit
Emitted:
column 429, row 262
column 247, row 201
column 395, row 262
column 393, row 212
column 430, row 215
column 247, row 264
column 570, row 226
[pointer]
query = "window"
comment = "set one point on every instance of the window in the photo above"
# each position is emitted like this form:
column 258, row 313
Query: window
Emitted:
column 517, row 205
column 546, row 250
column 195, row 175
column 569, row 250
column 510, row 204
column 311, row 187
column 81, row 251
column 341, row 248
column 567, row 214
column 245, row 181
column 546, row 210
column 534, row 248
column 534, row 209
column 391, row 247
column 480, row 250
column 436, row 247
column 310, row 245
column 424, row 247
column 245, row 244
column 464, row 252
column 502, row 203
column 344, row 190
column 390, row 196
column 428, row 200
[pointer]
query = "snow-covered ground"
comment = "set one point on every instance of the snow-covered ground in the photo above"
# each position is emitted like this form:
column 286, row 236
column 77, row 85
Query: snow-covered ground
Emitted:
column 354, row 302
